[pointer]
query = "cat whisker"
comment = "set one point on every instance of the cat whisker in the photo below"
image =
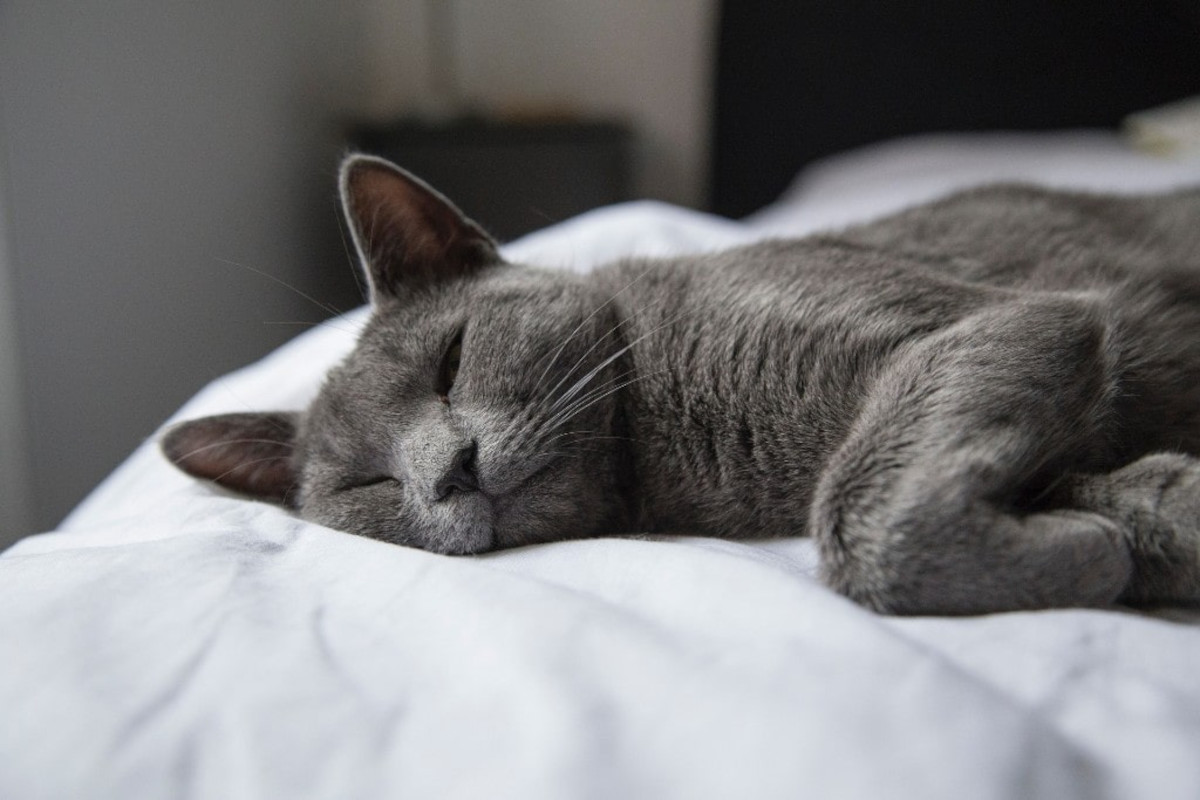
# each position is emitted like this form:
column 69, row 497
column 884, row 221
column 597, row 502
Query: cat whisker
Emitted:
column 563, row 435
column 519, row 420
column 242, row 465
column 591, row 451
column 593, row 398
column 225, row 442
column 545, row 217
column 326, row 307
column 567, row 410
column 582, row 383
column 287, row 433
column 562, row 419
column 372, row 254
column 583, row 436
column 614, row 329
column 347, row 329
column 350, row 259
column 579, row 327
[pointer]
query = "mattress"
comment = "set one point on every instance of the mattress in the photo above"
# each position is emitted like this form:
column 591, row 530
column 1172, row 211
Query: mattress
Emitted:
column 172, row 640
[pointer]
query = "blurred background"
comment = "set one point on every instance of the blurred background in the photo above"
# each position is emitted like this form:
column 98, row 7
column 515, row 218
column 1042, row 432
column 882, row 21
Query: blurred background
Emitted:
column 167, row 169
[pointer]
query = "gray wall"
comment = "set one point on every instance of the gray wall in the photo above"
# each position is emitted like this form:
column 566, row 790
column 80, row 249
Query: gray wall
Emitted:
column 15, row 510
column 145, row 145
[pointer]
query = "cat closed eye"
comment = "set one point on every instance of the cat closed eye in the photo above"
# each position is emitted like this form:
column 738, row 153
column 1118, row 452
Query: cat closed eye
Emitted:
column 449, row 370
column 367, row 483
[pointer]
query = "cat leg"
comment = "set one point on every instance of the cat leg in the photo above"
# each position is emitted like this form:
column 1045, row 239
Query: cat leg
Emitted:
column 1156, row 501
column 919, row 510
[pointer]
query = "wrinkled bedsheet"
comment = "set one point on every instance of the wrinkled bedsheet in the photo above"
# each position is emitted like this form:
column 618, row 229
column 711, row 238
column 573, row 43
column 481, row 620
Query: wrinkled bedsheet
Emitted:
column 173, row 641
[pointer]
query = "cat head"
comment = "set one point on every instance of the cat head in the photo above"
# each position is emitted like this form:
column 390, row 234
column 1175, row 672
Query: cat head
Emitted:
column 476, row 410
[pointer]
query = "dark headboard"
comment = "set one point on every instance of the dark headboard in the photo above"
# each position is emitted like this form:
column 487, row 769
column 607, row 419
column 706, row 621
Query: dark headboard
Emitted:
column 797, row 80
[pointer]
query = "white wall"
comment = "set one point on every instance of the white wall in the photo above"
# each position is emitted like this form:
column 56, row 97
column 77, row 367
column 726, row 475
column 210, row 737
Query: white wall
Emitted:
column 646, row 62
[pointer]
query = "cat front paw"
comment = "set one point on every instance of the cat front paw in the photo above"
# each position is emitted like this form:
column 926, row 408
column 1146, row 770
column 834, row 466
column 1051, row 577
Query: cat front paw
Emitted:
column 1156, row 500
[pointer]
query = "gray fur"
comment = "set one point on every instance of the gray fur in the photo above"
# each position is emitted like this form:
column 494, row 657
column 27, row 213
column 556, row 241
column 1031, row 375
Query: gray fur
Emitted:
column 987, row 403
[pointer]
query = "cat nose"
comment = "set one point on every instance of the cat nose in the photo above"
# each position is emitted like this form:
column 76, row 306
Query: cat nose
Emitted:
column 460, row 475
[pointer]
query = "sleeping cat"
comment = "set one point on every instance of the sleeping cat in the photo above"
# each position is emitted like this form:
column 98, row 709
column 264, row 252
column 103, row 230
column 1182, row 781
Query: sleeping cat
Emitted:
column 991, row 402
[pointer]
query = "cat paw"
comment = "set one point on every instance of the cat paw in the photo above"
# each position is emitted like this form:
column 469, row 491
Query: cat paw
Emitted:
column 1156, row 500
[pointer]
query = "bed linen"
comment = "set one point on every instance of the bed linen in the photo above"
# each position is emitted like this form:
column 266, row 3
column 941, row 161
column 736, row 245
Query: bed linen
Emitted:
column 170, row 640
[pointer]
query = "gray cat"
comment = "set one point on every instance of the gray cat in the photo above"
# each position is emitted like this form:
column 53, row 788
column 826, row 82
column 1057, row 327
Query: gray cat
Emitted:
column 990, row 402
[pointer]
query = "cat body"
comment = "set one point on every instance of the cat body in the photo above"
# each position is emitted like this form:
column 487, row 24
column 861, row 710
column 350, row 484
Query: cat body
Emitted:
column 765, row 355
column 986, row 403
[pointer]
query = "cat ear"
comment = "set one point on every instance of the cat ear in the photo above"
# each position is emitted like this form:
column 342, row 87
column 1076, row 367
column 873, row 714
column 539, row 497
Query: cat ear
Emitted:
column 248, row 453
column 407, row 234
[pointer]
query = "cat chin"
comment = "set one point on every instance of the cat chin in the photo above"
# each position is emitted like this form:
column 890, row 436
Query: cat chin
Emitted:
column 480, row 539
column 463, row 524
column 469, row 526
column 464, row 540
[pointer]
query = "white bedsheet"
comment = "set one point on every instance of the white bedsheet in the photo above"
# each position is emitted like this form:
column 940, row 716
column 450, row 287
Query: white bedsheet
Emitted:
column 171, row 641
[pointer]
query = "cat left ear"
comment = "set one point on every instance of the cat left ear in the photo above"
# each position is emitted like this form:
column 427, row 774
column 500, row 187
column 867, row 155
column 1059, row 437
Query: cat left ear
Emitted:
column 248, row 453
column 408, row 235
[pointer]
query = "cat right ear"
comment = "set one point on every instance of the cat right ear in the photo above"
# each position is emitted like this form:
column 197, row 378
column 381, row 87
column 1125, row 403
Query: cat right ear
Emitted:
column 248, row 453
column 408, row 235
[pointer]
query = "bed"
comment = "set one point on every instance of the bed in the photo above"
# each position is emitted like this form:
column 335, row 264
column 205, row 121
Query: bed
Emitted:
column 170, row 640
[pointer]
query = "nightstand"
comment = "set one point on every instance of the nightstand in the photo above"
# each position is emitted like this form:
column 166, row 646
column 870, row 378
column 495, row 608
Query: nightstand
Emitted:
column 512, row 178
